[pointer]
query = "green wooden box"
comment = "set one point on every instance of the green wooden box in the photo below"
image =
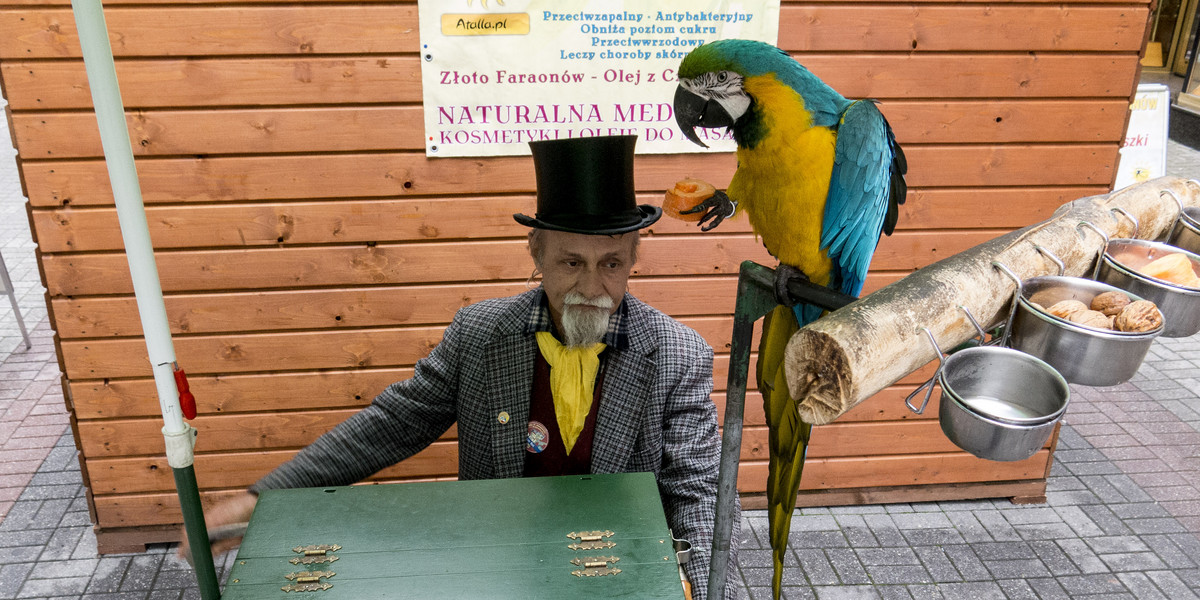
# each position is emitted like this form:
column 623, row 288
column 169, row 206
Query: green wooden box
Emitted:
column 497, row 539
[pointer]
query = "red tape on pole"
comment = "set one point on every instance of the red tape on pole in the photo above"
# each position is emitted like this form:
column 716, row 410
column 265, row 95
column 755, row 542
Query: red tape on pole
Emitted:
column 187, row 401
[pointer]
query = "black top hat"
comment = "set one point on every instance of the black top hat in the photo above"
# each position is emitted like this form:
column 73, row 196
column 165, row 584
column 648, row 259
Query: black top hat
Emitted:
column 585, row 185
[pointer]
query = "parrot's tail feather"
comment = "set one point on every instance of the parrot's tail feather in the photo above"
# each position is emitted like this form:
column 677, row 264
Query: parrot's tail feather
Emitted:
column 777, row 577
column 787, row 436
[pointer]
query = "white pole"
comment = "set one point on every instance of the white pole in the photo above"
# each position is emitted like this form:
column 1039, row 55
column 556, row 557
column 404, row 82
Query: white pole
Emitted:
column 127, row 194
column 179, row 437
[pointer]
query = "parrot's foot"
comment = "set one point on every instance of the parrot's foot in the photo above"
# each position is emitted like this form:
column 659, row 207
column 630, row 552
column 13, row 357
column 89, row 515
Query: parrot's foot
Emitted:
column 717, row 208
column 784, row 274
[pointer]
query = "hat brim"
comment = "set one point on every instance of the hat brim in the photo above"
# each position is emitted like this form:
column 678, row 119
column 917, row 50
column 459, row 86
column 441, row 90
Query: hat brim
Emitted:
column 649, row 215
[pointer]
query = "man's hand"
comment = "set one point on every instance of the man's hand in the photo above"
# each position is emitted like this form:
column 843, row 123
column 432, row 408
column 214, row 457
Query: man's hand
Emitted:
column 230, row 512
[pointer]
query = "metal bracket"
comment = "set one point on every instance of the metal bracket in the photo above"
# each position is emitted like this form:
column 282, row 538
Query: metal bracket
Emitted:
column 589, row 536
column 313, row 560
column 594, row 561
column 307, row 587
column 316, row 549
column 308, row 576
column 755, row 298
column 595, row 566
column 308, row 581
column 591, row 545
column 597, row 572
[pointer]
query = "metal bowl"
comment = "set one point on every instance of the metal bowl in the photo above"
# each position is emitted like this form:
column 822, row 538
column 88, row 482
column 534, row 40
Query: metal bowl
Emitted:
column 1179, row 305
column 1081, row 354
column 1186, row 233
column 1000, row 404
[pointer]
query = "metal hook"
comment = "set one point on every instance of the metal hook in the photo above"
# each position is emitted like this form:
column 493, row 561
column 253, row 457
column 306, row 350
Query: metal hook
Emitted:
column 1176, row 198
column 1092, row 226
column 1016, row 298
column 1124, row 213
column 1103, row 249
column 1062, row 268
column 928, row 385
column 982, row 335
column 1007, row 271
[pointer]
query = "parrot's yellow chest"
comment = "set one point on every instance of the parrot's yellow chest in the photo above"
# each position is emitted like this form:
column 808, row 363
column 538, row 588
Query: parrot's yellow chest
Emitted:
column 783, row 182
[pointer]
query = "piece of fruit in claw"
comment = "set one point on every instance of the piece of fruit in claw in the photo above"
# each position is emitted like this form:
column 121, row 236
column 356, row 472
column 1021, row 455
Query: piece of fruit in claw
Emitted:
column 686, row 194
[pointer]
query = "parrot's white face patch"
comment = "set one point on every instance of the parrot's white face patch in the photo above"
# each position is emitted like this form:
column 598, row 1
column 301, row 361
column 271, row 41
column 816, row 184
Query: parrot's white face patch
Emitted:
column 723, row 86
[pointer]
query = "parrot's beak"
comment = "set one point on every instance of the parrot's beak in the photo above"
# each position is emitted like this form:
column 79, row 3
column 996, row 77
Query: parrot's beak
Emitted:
column 693, row 110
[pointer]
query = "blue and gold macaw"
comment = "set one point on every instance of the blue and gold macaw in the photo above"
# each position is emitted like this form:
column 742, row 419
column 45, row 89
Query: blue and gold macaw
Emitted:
column 820, row 177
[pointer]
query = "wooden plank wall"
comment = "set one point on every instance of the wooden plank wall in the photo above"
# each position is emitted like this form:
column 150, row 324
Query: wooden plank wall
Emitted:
column 310, row 253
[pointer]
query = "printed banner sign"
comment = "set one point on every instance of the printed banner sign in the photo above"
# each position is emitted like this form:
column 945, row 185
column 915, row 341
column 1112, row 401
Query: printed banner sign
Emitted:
column 497, row 75
column 1144, row 153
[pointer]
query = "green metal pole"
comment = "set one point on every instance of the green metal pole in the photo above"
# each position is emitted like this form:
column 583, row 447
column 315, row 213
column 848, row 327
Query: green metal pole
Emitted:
column 197, row 533
column 178, row 436
column 755, row 298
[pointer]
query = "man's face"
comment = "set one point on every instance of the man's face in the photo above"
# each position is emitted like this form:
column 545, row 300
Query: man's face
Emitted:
column 584, row 277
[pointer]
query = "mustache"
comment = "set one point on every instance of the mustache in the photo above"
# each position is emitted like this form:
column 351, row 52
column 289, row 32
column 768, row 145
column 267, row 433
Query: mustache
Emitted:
column 575, row 298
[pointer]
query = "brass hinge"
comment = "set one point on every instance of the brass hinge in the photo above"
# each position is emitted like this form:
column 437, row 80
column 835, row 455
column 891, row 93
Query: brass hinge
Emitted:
column 316, row 549
column 313, row 560
column 308, row 576
column 590, row 540
column 589, row 536
column 308, row 581
column 306, row 587
column 595, row 566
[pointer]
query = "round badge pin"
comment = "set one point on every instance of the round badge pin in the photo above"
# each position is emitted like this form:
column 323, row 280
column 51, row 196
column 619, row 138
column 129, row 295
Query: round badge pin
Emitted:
column 502, row 417
column 537, row 437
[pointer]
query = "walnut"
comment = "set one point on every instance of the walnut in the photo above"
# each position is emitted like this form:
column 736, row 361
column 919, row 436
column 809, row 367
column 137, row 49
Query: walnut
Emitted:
column 1110, row 303
column 1138, row 317
column 1066, row 308
column 1090, row 318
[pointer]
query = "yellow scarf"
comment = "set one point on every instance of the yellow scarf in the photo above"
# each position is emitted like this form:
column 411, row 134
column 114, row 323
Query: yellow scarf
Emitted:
column 572, row 383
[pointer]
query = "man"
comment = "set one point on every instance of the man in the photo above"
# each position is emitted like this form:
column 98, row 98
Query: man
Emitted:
column 576, row 376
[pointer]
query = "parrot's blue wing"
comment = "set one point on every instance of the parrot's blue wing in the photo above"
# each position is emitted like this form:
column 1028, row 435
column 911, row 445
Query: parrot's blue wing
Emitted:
column 866, row 186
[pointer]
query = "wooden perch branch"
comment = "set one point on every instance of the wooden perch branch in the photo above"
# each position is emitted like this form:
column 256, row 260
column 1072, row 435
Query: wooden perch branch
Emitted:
column 853, row 353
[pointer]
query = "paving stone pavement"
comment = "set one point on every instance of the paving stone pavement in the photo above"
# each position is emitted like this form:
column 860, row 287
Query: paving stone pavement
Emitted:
column 1122, row 518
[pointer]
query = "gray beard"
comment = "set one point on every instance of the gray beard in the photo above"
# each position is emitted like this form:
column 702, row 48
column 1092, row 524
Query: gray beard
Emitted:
column 583, row 326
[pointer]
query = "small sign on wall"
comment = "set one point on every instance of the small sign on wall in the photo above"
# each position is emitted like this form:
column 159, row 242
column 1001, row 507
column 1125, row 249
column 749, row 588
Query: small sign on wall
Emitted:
column 497, row 75
column 1144, row 153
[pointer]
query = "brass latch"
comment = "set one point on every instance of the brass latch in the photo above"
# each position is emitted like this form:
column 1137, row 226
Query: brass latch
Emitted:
column 594, row 561
column 316, row 549
column 595, row 566
column 313, row 560
column 308, row 581
column 589, row 536
column 590, row 540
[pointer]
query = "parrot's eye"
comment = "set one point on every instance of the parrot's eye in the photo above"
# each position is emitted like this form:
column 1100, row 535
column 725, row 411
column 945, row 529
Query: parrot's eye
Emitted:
column 722, row 76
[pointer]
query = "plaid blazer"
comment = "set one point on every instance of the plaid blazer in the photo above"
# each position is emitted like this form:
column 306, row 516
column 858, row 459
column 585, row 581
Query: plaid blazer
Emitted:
column 655, row 415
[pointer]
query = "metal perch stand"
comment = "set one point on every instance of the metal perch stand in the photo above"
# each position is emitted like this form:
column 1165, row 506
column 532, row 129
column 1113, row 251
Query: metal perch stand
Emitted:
column 841, row 359
column 755, row 298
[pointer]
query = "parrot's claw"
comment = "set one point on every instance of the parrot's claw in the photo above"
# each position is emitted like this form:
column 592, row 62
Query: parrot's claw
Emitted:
column 784, row 274
column 716, row 208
